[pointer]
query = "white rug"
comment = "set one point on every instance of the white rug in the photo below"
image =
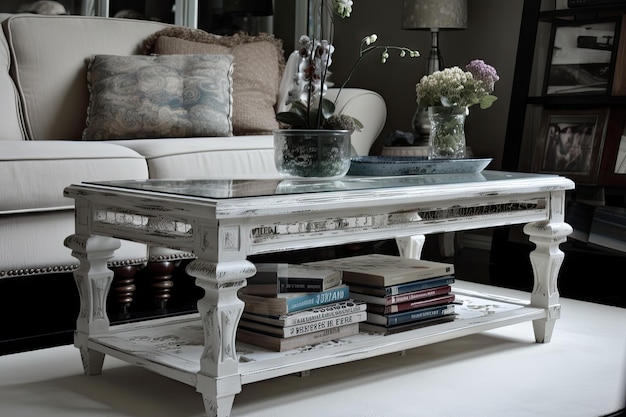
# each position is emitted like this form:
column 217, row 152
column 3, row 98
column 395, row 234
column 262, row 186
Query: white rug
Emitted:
column 499, row 373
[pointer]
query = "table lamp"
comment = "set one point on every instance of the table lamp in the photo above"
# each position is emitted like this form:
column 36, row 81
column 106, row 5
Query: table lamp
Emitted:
column 433, row 15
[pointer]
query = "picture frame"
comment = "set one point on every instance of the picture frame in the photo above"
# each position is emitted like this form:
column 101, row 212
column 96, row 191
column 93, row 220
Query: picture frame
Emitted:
column 619, row 74
column 581, row 58
column 613, row 165
column 570, row 143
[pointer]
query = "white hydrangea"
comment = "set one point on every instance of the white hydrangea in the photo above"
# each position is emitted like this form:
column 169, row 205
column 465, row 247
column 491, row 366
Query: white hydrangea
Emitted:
column 455, row 87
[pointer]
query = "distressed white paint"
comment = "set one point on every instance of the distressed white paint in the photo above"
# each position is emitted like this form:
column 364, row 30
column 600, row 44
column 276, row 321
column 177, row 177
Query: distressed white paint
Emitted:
column 200, row 350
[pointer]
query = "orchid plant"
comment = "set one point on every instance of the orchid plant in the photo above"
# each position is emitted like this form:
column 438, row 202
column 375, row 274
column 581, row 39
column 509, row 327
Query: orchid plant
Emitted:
column 309, row 109
column 455, row 87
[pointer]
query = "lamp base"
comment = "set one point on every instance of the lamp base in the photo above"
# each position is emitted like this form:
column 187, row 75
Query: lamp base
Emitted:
column 421, row 124
column 435, row 61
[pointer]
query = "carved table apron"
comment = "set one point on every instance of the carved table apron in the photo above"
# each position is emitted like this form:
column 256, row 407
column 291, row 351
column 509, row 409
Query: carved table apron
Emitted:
column 224, row 221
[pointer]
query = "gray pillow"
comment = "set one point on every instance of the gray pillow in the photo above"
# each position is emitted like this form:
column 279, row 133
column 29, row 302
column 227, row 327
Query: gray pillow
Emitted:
column 137, row 96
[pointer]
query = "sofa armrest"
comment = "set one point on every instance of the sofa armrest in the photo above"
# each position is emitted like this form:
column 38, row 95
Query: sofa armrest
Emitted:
column 366, row 106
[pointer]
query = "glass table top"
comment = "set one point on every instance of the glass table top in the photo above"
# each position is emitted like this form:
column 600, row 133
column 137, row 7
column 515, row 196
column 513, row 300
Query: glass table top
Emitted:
column 239, row 188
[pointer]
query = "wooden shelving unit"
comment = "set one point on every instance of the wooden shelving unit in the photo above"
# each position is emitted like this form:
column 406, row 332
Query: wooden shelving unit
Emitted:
column 528, row 100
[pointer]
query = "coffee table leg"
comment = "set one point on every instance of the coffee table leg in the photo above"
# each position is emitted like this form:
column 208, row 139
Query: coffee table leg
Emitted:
column 411, row 246
column 93, row 280
column 220, row 310
column 546, row 260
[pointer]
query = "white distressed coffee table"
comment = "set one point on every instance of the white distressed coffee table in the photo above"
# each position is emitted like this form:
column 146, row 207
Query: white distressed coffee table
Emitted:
column 223, row 222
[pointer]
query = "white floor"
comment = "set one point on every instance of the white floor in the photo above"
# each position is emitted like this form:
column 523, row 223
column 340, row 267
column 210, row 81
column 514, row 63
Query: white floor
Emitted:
column 500, row 373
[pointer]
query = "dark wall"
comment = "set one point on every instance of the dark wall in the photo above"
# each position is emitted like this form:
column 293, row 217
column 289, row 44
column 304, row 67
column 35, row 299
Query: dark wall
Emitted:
column 492, row 35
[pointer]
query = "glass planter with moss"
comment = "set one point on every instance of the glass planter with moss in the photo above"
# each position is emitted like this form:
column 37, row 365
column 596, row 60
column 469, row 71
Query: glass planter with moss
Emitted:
column 312, row 153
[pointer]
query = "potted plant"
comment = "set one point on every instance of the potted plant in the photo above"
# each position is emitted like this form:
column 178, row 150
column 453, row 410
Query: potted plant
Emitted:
column 448, row 95
column 316, row 141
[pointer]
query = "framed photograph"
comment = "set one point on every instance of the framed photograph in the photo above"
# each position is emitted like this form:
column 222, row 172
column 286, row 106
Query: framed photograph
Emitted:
column 582, row 57
column 619, row 77
column 613, row 166
column 570, row 143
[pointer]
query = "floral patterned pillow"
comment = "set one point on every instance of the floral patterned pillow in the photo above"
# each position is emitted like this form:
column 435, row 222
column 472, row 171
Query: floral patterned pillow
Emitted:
column 137, row 97
column 259, row 64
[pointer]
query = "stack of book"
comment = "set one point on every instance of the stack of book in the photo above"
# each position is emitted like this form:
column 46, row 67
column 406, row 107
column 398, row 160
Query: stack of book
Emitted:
column 291, row 306
column 400, row 293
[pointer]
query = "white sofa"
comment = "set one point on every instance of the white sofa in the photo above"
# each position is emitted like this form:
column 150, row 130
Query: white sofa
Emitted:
column 43, row 105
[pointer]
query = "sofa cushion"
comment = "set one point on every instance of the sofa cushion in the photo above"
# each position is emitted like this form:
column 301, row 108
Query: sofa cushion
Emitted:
column 10, row 128
column 159, row 96
column 241, row 157
column 49, row 67
column 32, row 244
column 259, row 63
column 33, row 174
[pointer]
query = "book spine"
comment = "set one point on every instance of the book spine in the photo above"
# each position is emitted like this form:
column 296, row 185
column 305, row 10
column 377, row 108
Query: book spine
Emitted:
column 280, row 344
column 418, row 286
column 411, row 305
column 300, row 285
column 323, row 312
column 409, row 316
column 319, row 337
column 324, row 324
column 300, row 329
column 405, row 298
column 312, row 287
column 401, row 298
column 306, row 301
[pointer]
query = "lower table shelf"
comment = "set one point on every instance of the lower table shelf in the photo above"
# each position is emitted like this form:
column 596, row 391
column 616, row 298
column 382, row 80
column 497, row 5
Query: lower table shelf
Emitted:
column 173, row 346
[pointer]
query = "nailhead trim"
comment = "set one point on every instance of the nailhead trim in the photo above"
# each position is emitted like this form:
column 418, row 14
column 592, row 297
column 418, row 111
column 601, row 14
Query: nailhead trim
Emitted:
column 64, row 268
column 174, row 256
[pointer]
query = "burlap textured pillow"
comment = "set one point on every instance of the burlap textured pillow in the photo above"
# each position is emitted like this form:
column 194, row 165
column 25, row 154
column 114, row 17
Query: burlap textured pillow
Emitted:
column 258, row 63
column 136, row 97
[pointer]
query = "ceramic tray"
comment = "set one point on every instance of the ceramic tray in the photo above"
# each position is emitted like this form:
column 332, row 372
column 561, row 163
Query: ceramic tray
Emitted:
column 398, row 165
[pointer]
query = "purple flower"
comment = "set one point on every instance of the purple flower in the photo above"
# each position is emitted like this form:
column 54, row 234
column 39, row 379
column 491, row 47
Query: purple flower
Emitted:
column 483, row 73
column 457, row 87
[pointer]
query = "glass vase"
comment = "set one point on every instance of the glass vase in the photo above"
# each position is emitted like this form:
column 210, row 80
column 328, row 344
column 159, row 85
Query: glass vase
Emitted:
column 314, row 153
column 447, row 132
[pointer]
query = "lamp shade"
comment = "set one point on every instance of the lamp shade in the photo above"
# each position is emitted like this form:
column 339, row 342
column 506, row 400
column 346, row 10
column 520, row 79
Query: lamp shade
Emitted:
column 434, row 14
column 248, row 7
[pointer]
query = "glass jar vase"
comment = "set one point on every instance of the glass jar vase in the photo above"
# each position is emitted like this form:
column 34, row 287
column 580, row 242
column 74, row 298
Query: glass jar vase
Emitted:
column 314, row 153
column 447, row 131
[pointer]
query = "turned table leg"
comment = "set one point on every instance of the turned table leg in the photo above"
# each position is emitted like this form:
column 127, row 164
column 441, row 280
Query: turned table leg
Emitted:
column 123, row 288
column 161, row 283
column 220, row 309
column 546, row 260
column 93, row 279
column 411, row 246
